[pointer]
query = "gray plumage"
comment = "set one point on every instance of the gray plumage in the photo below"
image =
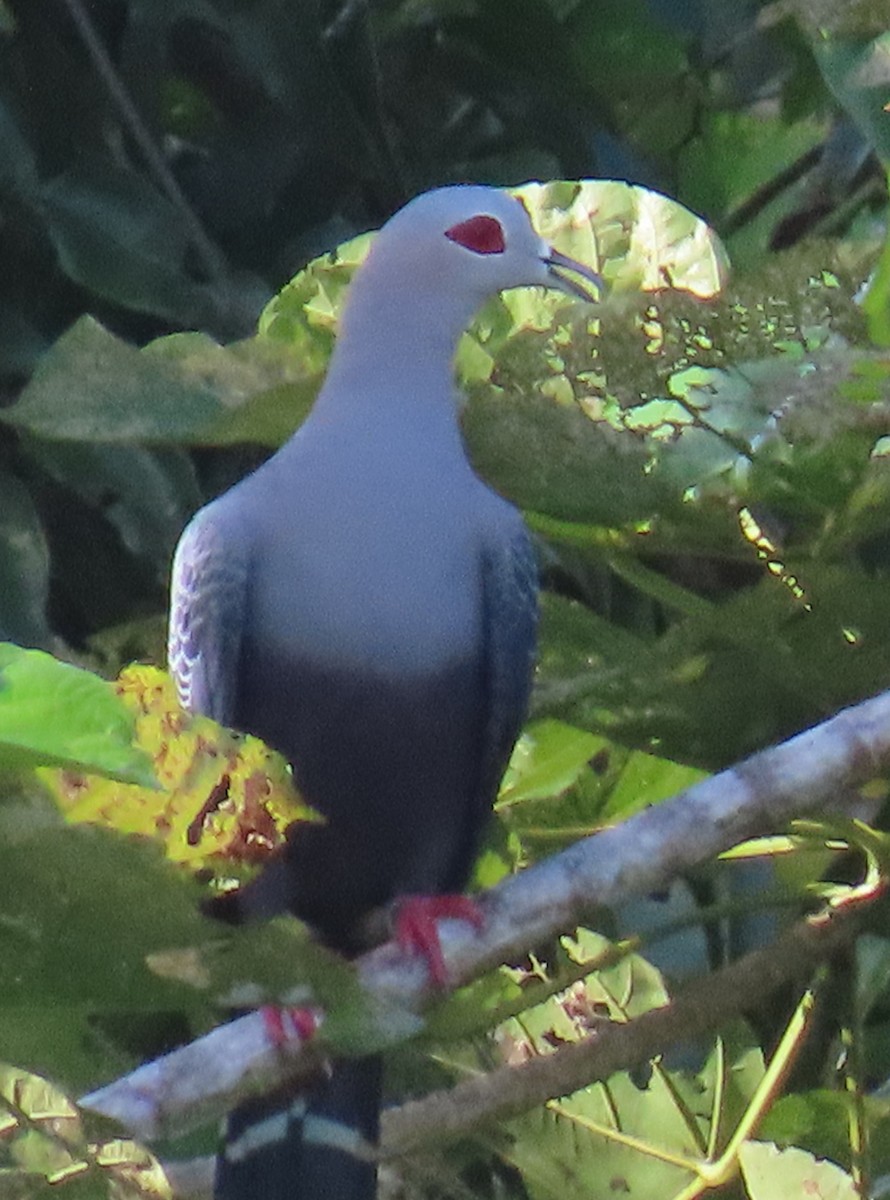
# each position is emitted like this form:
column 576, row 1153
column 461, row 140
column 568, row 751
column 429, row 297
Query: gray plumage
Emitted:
column 363, row 602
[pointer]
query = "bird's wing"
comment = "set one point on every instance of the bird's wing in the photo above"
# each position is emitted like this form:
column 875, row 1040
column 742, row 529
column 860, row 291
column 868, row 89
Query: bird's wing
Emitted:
column 510, row 602
column 207, row 603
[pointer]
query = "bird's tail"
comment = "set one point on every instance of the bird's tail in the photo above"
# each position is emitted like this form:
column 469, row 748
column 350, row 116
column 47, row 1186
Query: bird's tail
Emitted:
column 311, row 1145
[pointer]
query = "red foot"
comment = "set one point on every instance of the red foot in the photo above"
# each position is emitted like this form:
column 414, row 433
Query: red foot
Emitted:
column 285, row 1025
column 416, row 929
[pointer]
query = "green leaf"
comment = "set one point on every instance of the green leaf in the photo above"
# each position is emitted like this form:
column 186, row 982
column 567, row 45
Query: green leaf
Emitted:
column 93, row 386
column 733, row 154
column 107, row 957
column 817, row 1120
column 644, row 780
column 281, row 962
column 876, row 303
column 147, row 493
column 637, row 239
column 185, row 388
column 124, row 241
column 648, row 1131
column 547, row 455
column 24, row 566
column 548, row 758
column 21, row 342
column 53, row 714
column 773, row 1174
column 46, row 1151
column 304, row 313
column 81, row 911
column 619, row 48
column 18, row 167
column 801, row 639
column 857, row 69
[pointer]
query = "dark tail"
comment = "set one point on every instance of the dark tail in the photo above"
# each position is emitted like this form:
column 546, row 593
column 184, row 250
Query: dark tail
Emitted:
column 305, row 1145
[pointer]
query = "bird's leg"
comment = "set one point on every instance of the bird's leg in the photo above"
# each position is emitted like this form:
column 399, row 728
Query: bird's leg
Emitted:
column 416, row 927
column 285, row 1025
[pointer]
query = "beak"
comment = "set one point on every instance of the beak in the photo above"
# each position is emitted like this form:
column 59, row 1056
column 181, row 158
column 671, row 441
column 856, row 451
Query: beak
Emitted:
column 561, row 262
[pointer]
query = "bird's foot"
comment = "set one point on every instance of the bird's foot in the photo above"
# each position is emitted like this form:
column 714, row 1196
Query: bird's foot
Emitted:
column 416, row 927
column 284, row 1025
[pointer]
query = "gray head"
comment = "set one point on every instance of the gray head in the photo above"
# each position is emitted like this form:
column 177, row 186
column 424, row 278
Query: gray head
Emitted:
column 473, row 240
column 429, row 270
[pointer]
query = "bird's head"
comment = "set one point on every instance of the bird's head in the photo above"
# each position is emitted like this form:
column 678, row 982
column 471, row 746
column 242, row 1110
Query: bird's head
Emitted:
column 479, row 240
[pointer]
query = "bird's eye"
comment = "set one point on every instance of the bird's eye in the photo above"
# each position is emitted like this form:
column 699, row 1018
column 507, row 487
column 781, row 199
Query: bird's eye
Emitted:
column 481, row 234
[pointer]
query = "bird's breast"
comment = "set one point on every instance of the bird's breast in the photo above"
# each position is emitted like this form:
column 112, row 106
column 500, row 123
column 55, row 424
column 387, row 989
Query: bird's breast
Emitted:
column 381, row 587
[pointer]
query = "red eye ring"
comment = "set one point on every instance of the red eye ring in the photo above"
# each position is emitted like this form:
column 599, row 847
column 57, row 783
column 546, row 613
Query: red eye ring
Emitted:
column 482, row 234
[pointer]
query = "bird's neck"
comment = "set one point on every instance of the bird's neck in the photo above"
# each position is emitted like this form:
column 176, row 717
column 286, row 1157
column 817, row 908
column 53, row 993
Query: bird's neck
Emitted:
column 395, row 352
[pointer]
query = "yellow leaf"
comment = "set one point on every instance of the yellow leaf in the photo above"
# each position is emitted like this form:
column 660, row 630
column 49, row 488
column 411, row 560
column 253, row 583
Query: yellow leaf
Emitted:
column 226, row 798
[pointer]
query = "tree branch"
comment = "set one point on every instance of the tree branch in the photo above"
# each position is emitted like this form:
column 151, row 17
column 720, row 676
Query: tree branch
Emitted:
column 701, row 1007
column 762, row 794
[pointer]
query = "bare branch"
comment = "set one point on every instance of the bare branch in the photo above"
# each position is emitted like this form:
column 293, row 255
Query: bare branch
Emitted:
column 702, row 1007
column 809, row 772
column 198, row 1082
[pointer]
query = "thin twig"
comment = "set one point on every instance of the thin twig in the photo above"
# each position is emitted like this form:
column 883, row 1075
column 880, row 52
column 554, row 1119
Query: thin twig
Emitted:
column 211, row 257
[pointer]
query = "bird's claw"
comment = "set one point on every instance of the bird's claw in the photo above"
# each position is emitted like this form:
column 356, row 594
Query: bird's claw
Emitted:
column 416, row 927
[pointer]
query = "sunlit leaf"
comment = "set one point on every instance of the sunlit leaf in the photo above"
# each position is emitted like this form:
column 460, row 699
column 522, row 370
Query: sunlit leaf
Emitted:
column 774, row 1174
column 45, row 1150
column 638, row 240
column 548, row 758
column 646, row 1131
column 225, row 799
column 51, row 712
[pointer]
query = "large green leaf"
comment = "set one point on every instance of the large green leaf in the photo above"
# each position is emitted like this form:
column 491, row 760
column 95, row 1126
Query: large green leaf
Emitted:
column 54, row 714
column 118, row 237
column 107, row 957
column 857, row 69
column 647, row 1130
column 186, row 388
column 771, row 1173
column 636, row 238
column 147, row 493
column 81, row 909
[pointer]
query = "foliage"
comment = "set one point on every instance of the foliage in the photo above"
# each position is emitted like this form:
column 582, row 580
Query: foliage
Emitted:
column 708, row 479
column 45, row 1146
column 53, row 712
column 224, row 796
column 167, row 166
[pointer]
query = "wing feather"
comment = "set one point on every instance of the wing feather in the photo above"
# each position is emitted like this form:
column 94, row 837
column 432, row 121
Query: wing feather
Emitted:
column 207, row 607
column 510, row 600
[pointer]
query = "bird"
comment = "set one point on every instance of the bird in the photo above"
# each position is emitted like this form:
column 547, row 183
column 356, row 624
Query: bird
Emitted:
column 367, row 605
